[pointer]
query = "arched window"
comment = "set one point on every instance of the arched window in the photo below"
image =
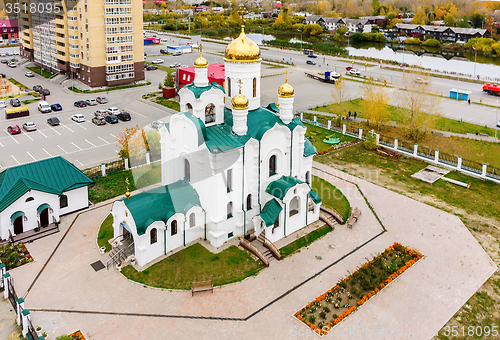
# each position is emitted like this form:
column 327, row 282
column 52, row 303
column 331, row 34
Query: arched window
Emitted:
column 173, row 228
column 209, row 113
column 229, row 86
column 272, row 165
column 294, row 206
column 249, row 201
column 29, row 199
column 308, row 177
column 191, row 220
column 254, row 87
column 189, row 107
column 187, row 170
column 230, row 210
column 153, row 237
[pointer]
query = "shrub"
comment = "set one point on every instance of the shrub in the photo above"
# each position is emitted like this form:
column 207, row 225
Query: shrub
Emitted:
column 322, row 315
column 431, row 43
column 312, row 319
column 412, row 41
column 371, row 142
column 326, row 309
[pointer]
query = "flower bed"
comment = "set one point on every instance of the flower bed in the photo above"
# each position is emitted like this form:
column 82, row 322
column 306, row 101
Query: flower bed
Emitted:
column 330, row 308
column 14, row 256
column 77, row 336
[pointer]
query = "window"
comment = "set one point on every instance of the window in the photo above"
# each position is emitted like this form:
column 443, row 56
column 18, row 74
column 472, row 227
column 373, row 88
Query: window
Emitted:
column 29, row 199
column 249, row 201
column 229, row 86
column 272, row 165
column 254, row 87
column 294, row 206
column 63, row 201
column 153, row 236
column 191, row 220
column 230, row 210
column 229, row 180
column 308, row 177
column 187, row 170
column 173, row 228
column 229, row 235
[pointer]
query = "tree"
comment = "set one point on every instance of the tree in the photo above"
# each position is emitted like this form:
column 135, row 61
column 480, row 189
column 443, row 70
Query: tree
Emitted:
column 419, row 18
column 169, row 80
column 393, row 23
column 132, row 141
column 375, row 103
column 342, row 30
column 449, row 20
column 339, row 94
column 313, row 29
column 464, row 22
column 477, row 20
column 419, row 107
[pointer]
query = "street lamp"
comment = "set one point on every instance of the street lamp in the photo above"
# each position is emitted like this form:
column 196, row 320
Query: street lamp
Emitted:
column 300, row 38
column 475, row 58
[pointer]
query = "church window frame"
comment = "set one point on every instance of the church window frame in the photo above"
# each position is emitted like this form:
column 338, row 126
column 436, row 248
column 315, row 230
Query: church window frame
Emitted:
column 254, row 87
column 173, row 228
column 249, row 202
column 153, row 236
column 187, row 169
column 273, row 165
column 229, row 209
column 229, row 180
column 229, row 86
column 192, row 220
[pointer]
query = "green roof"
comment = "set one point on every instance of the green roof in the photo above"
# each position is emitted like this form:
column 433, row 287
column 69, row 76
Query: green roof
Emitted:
column 197, row 91
column 315, row 197
column 273, row 107
column 53, row 175
column 280, row 187
column 161, row 203
column 309, row 148
column 220, row 138
column 271, row 211
column 16, row 215
column 42, row 208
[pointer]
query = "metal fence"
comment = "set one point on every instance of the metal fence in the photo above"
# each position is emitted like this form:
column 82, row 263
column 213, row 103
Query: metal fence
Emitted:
column 472, row 166
column 448, row 159
column 425, row 152
column 96, row 171
column 137, row 160
column 493, row 172
column 388, row 141
column 405, row 146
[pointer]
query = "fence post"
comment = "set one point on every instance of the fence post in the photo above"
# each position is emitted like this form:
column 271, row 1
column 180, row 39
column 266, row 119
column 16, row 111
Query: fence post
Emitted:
column 26, row 319
column 459, row 163
column 20, row 306
column 329, row 124
column 378, row 138
column 301, row 115
column 436, row 156
column 483, row 174
column 315, row 119
column 395, row 143
column 344, row 128
column 2, row 271
column 6, row 283
column 103, row 169
column 148, row 158
column 360, row 133
column 126, row 163
column 415, row 149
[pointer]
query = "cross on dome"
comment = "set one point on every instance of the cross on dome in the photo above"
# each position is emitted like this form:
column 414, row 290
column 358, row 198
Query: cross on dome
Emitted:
column 242, row 12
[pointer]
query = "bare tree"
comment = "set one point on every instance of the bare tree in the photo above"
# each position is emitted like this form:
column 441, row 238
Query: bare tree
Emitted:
column 375, row 102
column 339, row 94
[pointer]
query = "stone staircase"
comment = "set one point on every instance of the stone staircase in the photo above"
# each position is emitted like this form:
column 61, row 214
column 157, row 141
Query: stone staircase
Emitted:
column 260, row 244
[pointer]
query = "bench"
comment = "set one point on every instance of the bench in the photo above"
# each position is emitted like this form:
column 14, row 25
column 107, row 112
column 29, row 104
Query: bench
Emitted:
column 354, row 217
column 201, row 286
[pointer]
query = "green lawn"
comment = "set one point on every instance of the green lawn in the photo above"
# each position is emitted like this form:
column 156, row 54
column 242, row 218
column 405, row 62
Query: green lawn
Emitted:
column 317, row 139
column 111, row 186
column 44, row 73
column 331, row 197
column 168, row 103
column 196, row 263
column 147, row 175
column 120, row 87
column 22, row 87
column 304, row 241
column 106, row 233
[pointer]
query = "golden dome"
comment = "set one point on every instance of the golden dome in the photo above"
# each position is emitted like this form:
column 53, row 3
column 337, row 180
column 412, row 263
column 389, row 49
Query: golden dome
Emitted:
column 285, row 90
column 239, row 102
column 200, row 62
column 242, row 49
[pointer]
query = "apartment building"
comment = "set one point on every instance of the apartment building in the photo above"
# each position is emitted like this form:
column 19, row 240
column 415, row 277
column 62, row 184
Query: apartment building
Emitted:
column 98, row 42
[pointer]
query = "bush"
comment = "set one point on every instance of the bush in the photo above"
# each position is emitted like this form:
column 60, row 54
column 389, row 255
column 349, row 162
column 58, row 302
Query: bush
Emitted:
column 322, row 315
column 431, row 43
column 64, row 337
column 312, row 319
column 412, row 41
column 371, row 142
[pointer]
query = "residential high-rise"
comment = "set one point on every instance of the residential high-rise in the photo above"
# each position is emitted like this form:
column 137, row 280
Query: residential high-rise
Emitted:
column 98, row 42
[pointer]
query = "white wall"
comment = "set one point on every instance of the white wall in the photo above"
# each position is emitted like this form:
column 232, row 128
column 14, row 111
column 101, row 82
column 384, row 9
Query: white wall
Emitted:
column 77, row 199
column 246, row 72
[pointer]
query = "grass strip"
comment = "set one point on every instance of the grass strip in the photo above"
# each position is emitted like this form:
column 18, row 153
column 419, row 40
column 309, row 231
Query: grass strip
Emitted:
column 105, row 233
column 304, row 241
column 77, row 90
column 332, row 197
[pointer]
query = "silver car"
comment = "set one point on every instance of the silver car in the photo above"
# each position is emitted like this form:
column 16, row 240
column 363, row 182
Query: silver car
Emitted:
column 29, row 126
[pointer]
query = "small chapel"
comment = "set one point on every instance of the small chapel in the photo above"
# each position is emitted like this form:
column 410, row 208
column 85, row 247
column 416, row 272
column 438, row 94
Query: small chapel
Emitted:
column 229, row 166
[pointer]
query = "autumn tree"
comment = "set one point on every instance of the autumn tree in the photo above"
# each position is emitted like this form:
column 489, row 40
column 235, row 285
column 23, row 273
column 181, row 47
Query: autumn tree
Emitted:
column 339, row 94
column 418, row 104
column 375, row 103
column 132, row 142
column 449, row 20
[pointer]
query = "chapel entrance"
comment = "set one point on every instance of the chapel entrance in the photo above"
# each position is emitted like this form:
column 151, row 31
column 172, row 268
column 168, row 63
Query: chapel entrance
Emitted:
column 44, row 217
column 18, row 225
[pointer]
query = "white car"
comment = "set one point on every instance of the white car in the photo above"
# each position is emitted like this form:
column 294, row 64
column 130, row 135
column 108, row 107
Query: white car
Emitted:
column 157, row 124
column 16, row 52
column 498, row 123
column 354, row 72
column 79, row 118
column 29, row 74
column 91, row 102
column 157, row 61
column 100, row 113
column 29, row 126
column 113, row 111
column 2, row 54
column 175, row 65
column 10, row 53
column 2, row 104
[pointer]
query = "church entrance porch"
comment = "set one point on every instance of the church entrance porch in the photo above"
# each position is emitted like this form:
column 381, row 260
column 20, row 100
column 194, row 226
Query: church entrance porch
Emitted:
column 123, row 247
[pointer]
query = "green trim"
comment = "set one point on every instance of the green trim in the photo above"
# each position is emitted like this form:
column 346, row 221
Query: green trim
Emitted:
column 26, row 312
column 16, row 215
column 20, row 300
column 271, row 211
column 309, row 148
column 198, row 91
column 315, row 197
column 280, row 187
column 42, row 207
column 2, row 265
column 6, row 275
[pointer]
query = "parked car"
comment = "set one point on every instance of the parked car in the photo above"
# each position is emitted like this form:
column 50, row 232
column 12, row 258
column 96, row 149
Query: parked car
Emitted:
column 163, row 51
column 498, row 123
column 53, row 121
column 151, row 68
column 56, row 107
column 99, row 120
column 101, row 100
column 44, row 107
column 29, row 74
column 2, row 104
column 354, row 72
column 16, row 52
column 45, row 92
column 79, row 118
column 11, row 64
column 91, row 102
column 312, row 56
column 348, row 68
column 37, row 88
column 111, row 119
column 80, row 103
column 100, row 113
column 124, row 116
column 177, row 53
column 10, row 53
column 310, row 62
column 15, row 102
column 113, row 111
column 157, row 61
column 14, row 129
column 4, row 61
column 157, row 124
column 2, row 54
column 421, row 81
column 29, row 126
column 175, row 65
column 2, row 75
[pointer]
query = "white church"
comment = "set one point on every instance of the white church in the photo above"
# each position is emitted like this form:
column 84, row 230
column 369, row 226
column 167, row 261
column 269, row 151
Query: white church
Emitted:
column 230, row 167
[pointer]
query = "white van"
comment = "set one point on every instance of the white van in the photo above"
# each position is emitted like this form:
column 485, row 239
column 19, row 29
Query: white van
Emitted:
column 44, row 107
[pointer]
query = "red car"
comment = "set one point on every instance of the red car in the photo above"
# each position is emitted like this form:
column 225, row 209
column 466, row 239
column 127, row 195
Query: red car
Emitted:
column 14, row 129
column 348, row 68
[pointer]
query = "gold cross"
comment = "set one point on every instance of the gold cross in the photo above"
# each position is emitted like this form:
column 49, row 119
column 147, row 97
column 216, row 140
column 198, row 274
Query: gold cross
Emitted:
column 239, row 84
column 286, row 76
column 242, row 12
column 200, row 48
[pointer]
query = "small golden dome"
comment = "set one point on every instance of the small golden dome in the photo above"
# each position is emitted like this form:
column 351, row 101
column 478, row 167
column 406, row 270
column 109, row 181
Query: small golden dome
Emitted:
column 200, row 62
column 127, row 194
column 285, row 90
column 242, row 49
column 239, row 102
